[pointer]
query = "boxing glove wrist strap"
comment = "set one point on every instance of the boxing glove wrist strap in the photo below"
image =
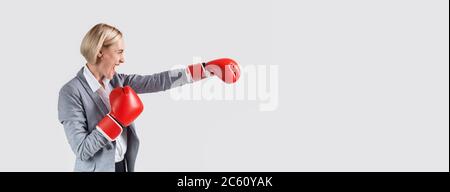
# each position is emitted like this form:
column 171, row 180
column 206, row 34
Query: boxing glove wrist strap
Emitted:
column 109, row 128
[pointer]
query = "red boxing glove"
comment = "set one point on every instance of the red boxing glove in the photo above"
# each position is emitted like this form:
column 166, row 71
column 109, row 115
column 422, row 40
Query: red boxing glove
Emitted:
column 125, row 108
column 226, row 69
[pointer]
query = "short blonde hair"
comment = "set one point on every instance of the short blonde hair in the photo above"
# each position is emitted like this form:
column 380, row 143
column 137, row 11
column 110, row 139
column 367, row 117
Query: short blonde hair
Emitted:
column 101, row 35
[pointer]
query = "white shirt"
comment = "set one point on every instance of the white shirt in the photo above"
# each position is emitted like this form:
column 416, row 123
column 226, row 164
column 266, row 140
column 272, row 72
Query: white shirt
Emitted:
column 121, row 141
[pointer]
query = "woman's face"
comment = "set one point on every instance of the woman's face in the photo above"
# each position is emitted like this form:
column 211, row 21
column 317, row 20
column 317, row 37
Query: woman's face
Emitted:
column 111, row 57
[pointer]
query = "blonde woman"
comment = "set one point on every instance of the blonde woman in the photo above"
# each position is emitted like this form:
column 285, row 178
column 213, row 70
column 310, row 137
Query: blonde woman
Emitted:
column 97, row 107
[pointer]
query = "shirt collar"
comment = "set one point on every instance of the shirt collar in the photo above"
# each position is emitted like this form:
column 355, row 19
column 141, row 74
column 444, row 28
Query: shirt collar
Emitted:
column 92, row 81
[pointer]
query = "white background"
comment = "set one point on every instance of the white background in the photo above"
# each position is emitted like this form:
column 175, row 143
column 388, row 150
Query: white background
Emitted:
column 363, row 85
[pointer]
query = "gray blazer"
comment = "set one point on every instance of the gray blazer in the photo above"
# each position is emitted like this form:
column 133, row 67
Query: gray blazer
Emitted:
column 80, row 109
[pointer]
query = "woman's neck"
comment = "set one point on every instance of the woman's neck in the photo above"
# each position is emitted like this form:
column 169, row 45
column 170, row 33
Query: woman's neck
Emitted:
column 96, row 73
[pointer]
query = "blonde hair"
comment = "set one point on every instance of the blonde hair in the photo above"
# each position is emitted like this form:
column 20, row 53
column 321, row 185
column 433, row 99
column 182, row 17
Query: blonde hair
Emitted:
column 101, row 35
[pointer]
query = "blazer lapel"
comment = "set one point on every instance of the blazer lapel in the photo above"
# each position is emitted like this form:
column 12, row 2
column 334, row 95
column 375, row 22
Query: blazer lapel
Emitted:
column 94, row 96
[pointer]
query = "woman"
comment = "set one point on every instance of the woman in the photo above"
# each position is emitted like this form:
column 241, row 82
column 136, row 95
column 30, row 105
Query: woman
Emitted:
column 99, row 128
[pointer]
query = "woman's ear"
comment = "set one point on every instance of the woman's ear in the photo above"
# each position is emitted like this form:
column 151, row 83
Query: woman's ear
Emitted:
column 100, row 54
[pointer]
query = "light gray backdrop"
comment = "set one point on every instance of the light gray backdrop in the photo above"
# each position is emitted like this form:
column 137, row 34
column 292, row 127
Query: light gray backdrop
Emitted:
column 362, row 85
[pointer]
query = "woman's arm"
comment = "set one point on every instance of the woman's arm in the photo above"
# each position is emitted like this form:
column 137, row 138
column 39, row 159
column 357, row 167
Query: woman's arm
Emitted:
column 73, row 117
column 156, row 82
column 225, row 68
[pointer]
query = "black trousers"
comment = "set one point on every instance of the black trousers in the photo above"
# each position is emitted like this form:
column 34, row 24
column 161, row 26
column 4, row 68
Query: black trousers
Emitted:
column 121, row 167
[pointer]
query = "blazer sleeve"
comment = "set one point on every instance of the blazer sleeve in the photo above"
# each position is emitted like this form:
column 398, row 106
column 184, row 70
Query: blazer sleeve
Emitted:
column 72, row 116
column 156, row 82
